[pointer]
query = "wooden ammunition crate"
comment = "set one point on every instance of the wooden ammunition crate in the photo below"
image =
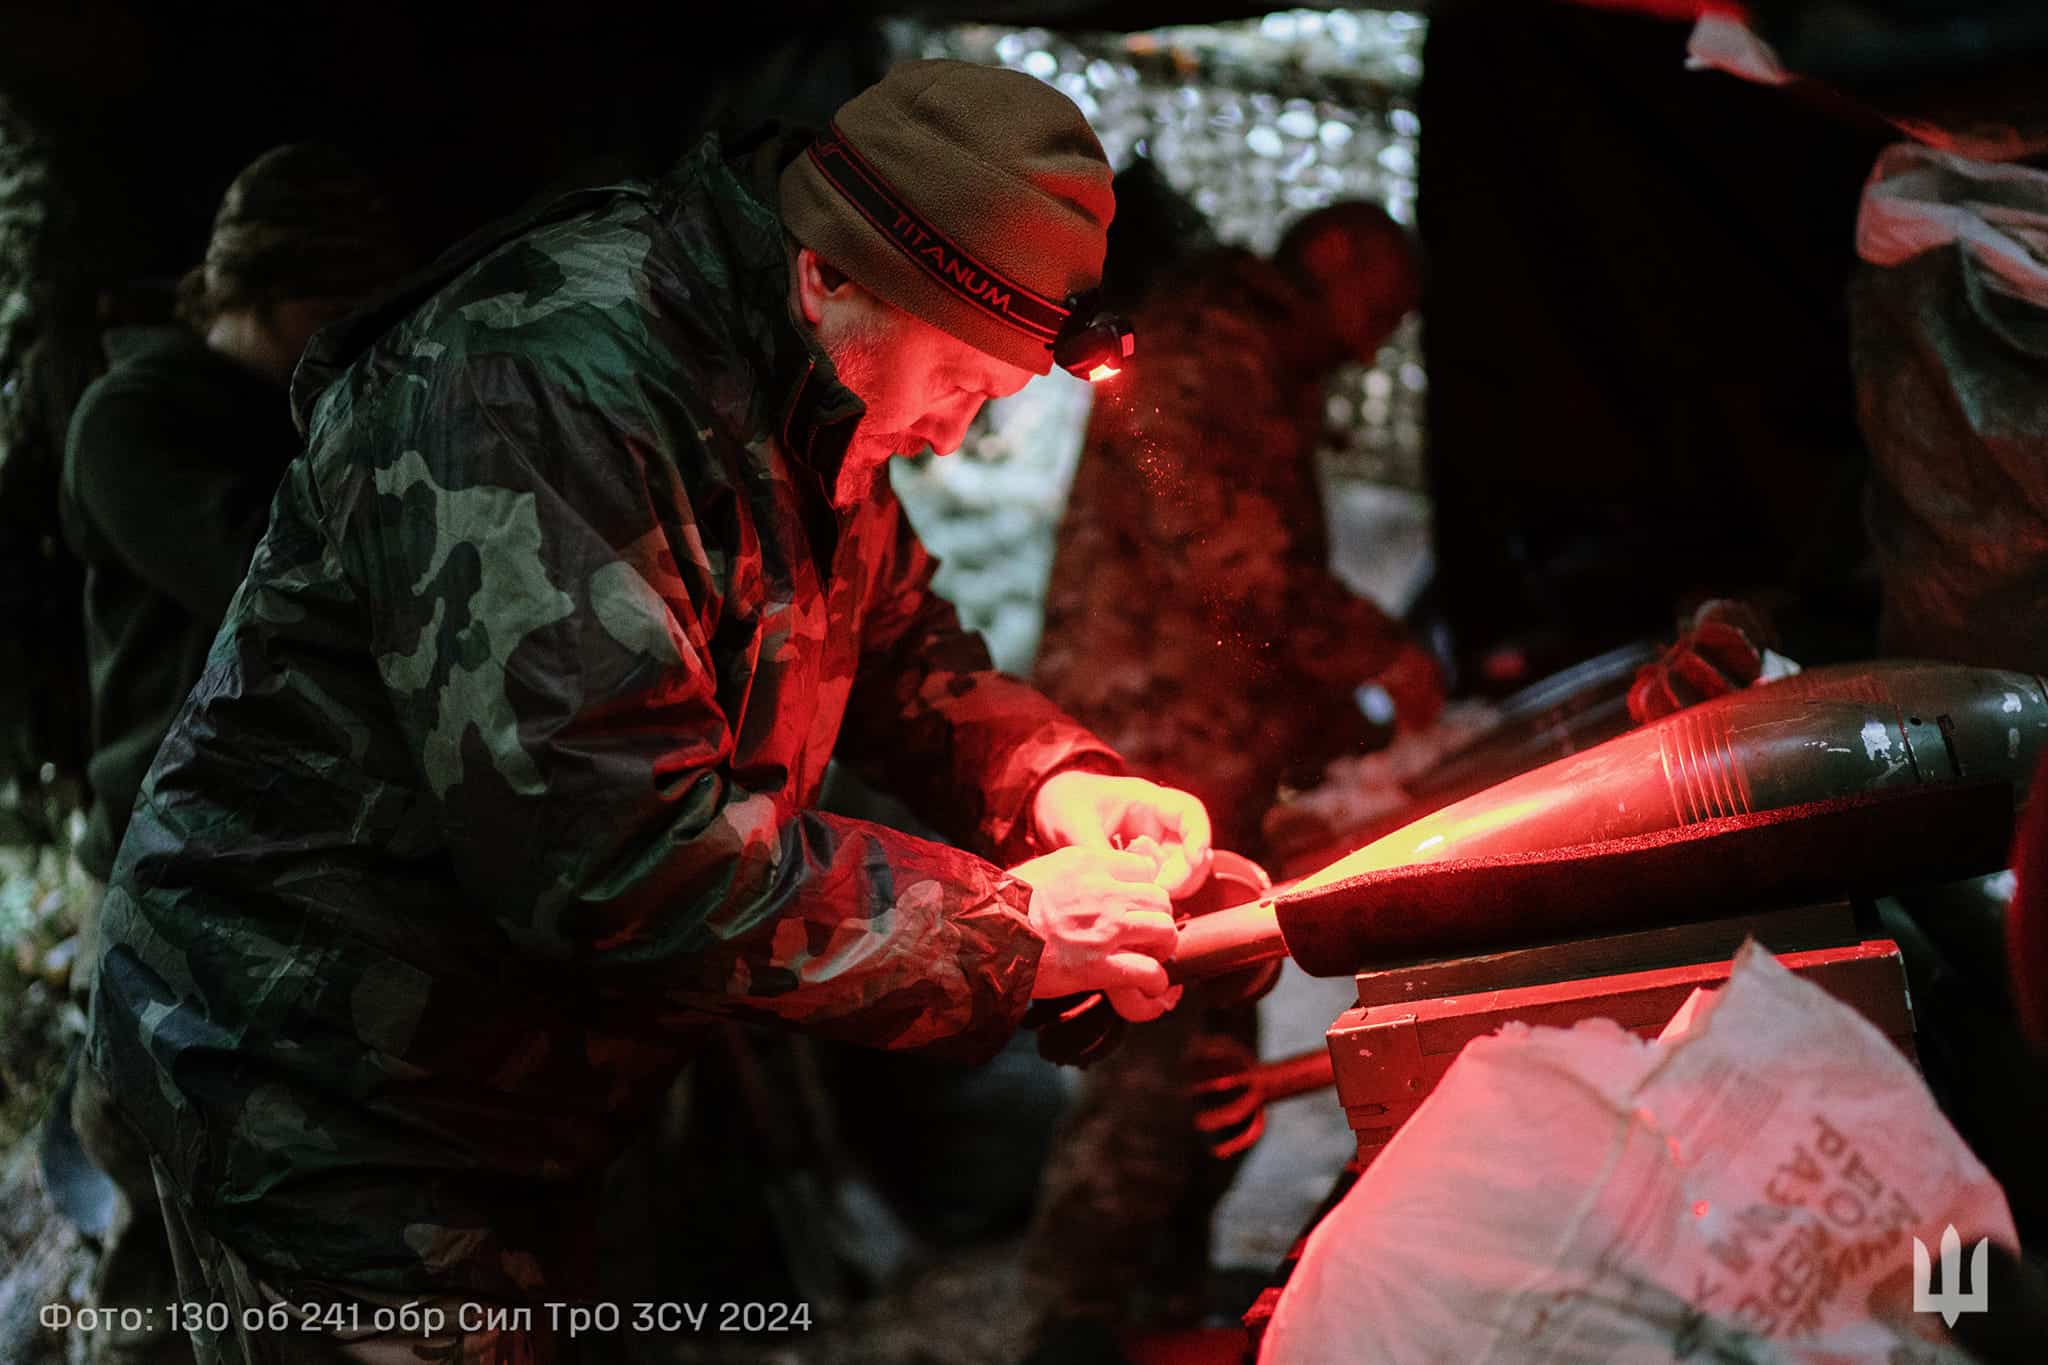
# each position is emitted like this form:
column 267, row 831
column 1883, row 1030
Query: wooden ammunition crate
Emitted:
column 1390, row 1050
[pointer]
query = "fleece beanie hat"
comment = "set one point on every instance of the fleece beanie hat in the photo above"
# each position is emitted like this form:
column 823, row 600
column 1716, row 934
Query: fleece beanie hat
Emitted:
column 302, row 221
column 974, row 198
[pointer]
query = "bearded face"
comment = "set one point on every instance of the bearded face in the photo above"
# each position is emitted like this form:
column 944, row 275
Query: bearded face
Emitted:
column 921, row 386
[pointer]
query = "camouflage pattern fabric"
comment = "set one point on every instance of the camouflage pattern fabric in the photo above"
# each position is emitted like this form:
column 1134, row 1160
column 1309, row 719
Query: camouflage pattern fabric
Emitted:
column 25, row 194
column 496, row 789
column 134, row 1273
column 1192, row 619
column 235, row 1318
column 49, row 351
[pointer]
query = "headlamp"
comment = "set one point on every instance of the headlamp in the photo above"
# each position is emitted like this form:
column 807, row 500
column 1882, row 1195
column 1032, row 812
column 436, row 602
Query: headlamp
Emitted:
column 1093, row 343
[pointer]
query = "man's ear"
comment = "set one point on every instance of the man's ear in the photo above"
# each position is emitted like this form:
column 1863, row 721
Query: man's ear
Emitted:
column 815, row 282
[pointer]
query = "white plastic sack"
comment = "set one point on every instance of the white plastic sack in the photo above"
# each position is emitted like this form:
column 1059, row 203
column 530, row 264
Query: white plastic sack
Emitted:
column 1722, row 41
column 1749, row 1184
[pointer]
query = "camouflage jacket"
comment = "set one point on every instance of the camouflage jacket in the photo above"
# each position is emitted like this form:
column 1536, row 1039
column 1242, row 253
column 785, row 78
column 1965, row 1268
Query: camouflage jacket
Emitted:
column 495, row 791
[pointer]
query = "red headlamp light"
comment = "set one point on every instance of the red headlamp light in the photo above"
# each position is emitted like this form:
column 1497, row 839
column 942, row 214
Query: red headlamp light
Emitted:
column 1093, row 343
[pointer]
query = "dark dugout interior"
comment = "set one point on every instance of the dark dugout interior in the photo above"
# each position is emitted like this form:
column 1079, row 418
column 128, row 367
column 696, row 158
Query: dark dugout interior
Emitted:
column 1637, row 337
column 1635, row 322
column 1635, row 326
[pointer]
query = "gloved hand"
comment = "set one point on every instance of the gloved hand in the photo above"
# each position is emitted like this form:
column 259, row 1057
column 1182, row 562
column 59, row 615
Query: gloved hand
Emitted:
column 1101, row 811
column 1107, row 926
column 1722, row 649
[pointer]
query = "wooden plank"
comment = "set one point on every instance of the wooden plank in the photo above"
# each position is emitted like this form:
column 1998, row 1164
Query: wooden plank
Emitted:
column 1389, row 1058
column 1825, row 925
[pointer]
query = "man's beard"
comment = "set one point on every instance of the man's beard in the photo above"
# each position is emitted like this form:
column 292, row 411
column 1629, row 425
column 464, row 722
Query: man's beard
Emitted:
column 863, row 464
column 857, row 357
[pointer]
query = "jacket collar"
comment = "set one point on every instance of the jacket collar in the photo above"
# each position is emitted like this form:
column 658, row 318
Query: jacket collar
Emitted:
column 802, row 400
column 812, row 412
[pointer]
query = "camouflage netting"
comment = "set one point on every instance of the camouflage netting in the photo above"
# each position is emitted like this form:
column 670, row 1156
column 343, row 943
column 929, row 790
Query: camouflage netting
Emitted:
column 36, row 917
column 23, row 176
column 1258, row 122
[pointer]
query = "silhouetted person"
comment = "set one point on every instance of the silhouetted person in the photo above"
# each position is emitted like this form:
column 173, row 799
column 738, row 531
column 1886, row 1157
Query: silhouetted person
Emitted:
column 171, row 461
column 1193, row 621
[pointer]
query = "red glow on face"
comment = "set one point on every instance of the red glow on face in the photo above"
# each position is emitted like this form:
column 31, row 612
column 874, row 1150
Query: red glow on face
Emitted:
column 1102, row 372
column 1699, row 1208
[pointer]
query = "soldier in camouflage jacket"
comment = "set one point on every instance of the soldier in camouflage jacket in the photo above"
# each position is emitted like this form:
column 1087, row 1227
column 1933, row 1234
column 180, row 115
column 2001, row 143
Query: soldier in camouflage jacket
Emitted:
column 496, row 790
column 1193, row 620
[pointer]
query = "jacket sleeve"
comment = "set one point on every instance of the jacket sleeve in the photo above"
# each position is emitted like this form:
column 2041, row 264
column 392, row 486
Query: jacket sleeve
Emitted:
column 932, row 721
column 549, row 607
column 1334, row 635
column 164, row 497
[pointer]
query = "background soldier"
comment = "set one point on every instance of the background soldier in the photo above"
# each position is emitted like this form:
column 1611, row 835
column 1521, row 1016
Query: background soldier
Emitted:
column 1192, row 618
column 1193, row 621
column 172, row 458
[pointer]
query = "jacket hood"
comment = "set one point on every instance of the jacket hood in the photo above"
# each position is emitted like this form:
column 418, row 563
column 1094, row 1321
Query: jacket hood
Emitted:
column 722, row 200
